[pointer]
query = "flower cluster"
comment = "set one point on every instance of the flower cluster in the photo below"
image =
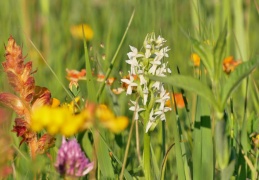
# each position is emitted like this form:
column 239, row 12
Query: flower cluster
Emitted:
column 71, row 160
column 58, row 120
column 68, row 120
column 153, row 94
column 26, row 98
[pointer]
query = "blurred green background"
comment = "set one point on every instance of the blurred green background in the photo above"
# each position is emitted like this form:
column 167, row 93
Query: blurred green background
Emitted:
column 47, row 24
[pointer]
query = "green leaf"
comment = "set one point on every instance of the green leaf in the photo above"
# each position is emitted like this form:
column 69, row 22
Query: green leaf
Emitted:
column 154, row 163
column 218, row 53
column 235, row 78
column 91, row 91
column 190, row 84
column 108, row 72
column 221, row 144
column 197, row 147
column 228, row 171
column 203, row 152
column 126, row 174
column 206, row 54
column 177, row 133
column 104, row 160
column 207, row 164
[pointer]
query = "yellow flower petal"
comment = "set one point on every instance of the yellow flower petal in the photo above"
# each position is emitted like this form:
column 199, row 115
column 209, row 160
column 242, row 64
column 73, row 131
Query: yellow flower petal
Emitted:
column 195, row 59
column 77, row 31
column 117, row 125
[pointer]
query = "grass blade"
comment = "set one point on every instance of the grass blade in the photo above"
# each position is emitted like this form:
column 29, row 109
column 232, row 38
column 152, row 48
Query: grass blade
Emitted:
column 190, row 84
column 236, row 77
column 108, row 72
column 91, row 96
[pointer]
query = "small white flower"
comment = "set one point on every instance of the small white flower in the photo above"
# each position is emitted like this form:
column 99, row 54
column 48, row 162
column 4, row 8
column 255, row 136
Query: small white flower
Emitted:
column 153, row 68
column 157, row 85
column 134, row 53
column 163, row 97
column 162, row 53
column 136, row 109
column 145, row 95
column 151, row 114
column 141, row 77
column 130, row 84
column 160, row 41
column 134, row 63
column 149, row 124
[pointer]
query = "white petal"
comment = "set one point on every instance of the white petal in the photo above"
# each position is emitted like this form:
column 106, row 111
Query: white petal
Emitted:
column 149, row 124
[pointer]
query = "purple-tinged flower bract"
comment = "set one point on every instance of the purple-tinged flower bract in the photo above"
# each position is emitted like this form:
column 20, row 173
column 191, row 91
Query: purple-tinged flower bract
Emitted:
column 71, row 160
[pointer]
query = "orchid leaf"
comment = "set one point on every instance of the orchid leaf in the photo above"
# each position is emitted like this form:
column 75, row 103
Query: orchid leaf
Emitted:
column 205, row 52
column 190, row 84
column 218, row 53
column 236, row 77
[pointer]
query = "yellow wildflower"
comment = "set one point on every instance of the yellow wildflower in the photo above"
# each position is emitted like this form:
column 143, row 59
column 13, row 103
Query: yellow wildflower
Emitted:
column 55, row 102
column 117, row 124
column 77, row 31
column 195, row 59
column 109, row 120
column 57, row 120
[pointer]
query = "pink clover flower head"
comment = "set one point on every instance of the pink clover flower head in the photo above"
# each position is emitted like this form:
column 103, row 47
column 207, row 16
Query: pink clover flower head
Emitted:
column 71, row 160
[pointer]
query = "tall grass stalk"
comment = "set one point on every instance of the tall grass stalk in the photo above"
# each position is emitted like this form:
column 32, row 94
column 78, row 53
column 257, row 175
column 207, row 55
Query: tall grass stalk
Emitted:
column 108, row 72
column 146, row 154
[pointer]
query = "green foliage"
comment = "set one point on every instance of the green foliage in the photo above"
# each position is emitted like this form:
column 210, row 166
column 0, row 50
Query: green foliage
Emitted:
column 235, row 78
column 214, row 138
column 190, row 84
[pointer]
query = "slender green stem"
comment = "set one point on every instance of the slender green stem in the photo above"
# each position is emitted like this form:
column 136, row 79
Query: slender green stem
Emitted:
column 146, row 158
column 108, row 72
column 127, row 150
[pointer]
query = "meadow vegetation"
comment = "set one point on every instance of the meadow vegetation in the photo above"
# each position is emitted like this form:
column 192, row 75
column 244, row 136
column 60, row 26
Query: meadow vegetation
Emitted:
column 161, row 89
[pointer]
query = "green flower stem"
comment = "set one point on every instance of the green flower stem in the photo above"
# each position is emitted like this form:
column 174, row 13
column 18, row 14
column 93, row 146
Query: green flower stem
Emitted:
column 146, row 158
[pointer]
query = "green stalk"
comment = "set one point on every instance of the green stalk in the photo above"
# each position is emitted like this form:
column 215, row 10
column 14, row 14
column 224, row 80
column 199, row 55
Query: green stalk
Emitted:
column 108, row 72
column 146, row 158
column 178, row 150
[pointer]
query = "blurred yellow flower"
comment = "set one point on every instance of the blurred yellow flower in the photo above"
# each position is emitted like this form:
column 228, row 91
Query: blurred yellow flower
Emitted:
column 109, row 120
column 55, row 102
column 77, row 31
column 195, row 59
column 58, row 120
column 63, row 119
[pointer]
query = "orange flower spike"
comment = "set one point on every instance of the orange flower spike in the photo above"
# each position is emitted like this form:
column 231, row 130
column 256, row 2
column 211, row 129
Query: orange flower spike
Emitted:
column 41, row 97
column 178, row 99
column 195, row 59
column 229, row 64
column 13, row 102
column 18, row 73
column 74, row 75
column 44, row 143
